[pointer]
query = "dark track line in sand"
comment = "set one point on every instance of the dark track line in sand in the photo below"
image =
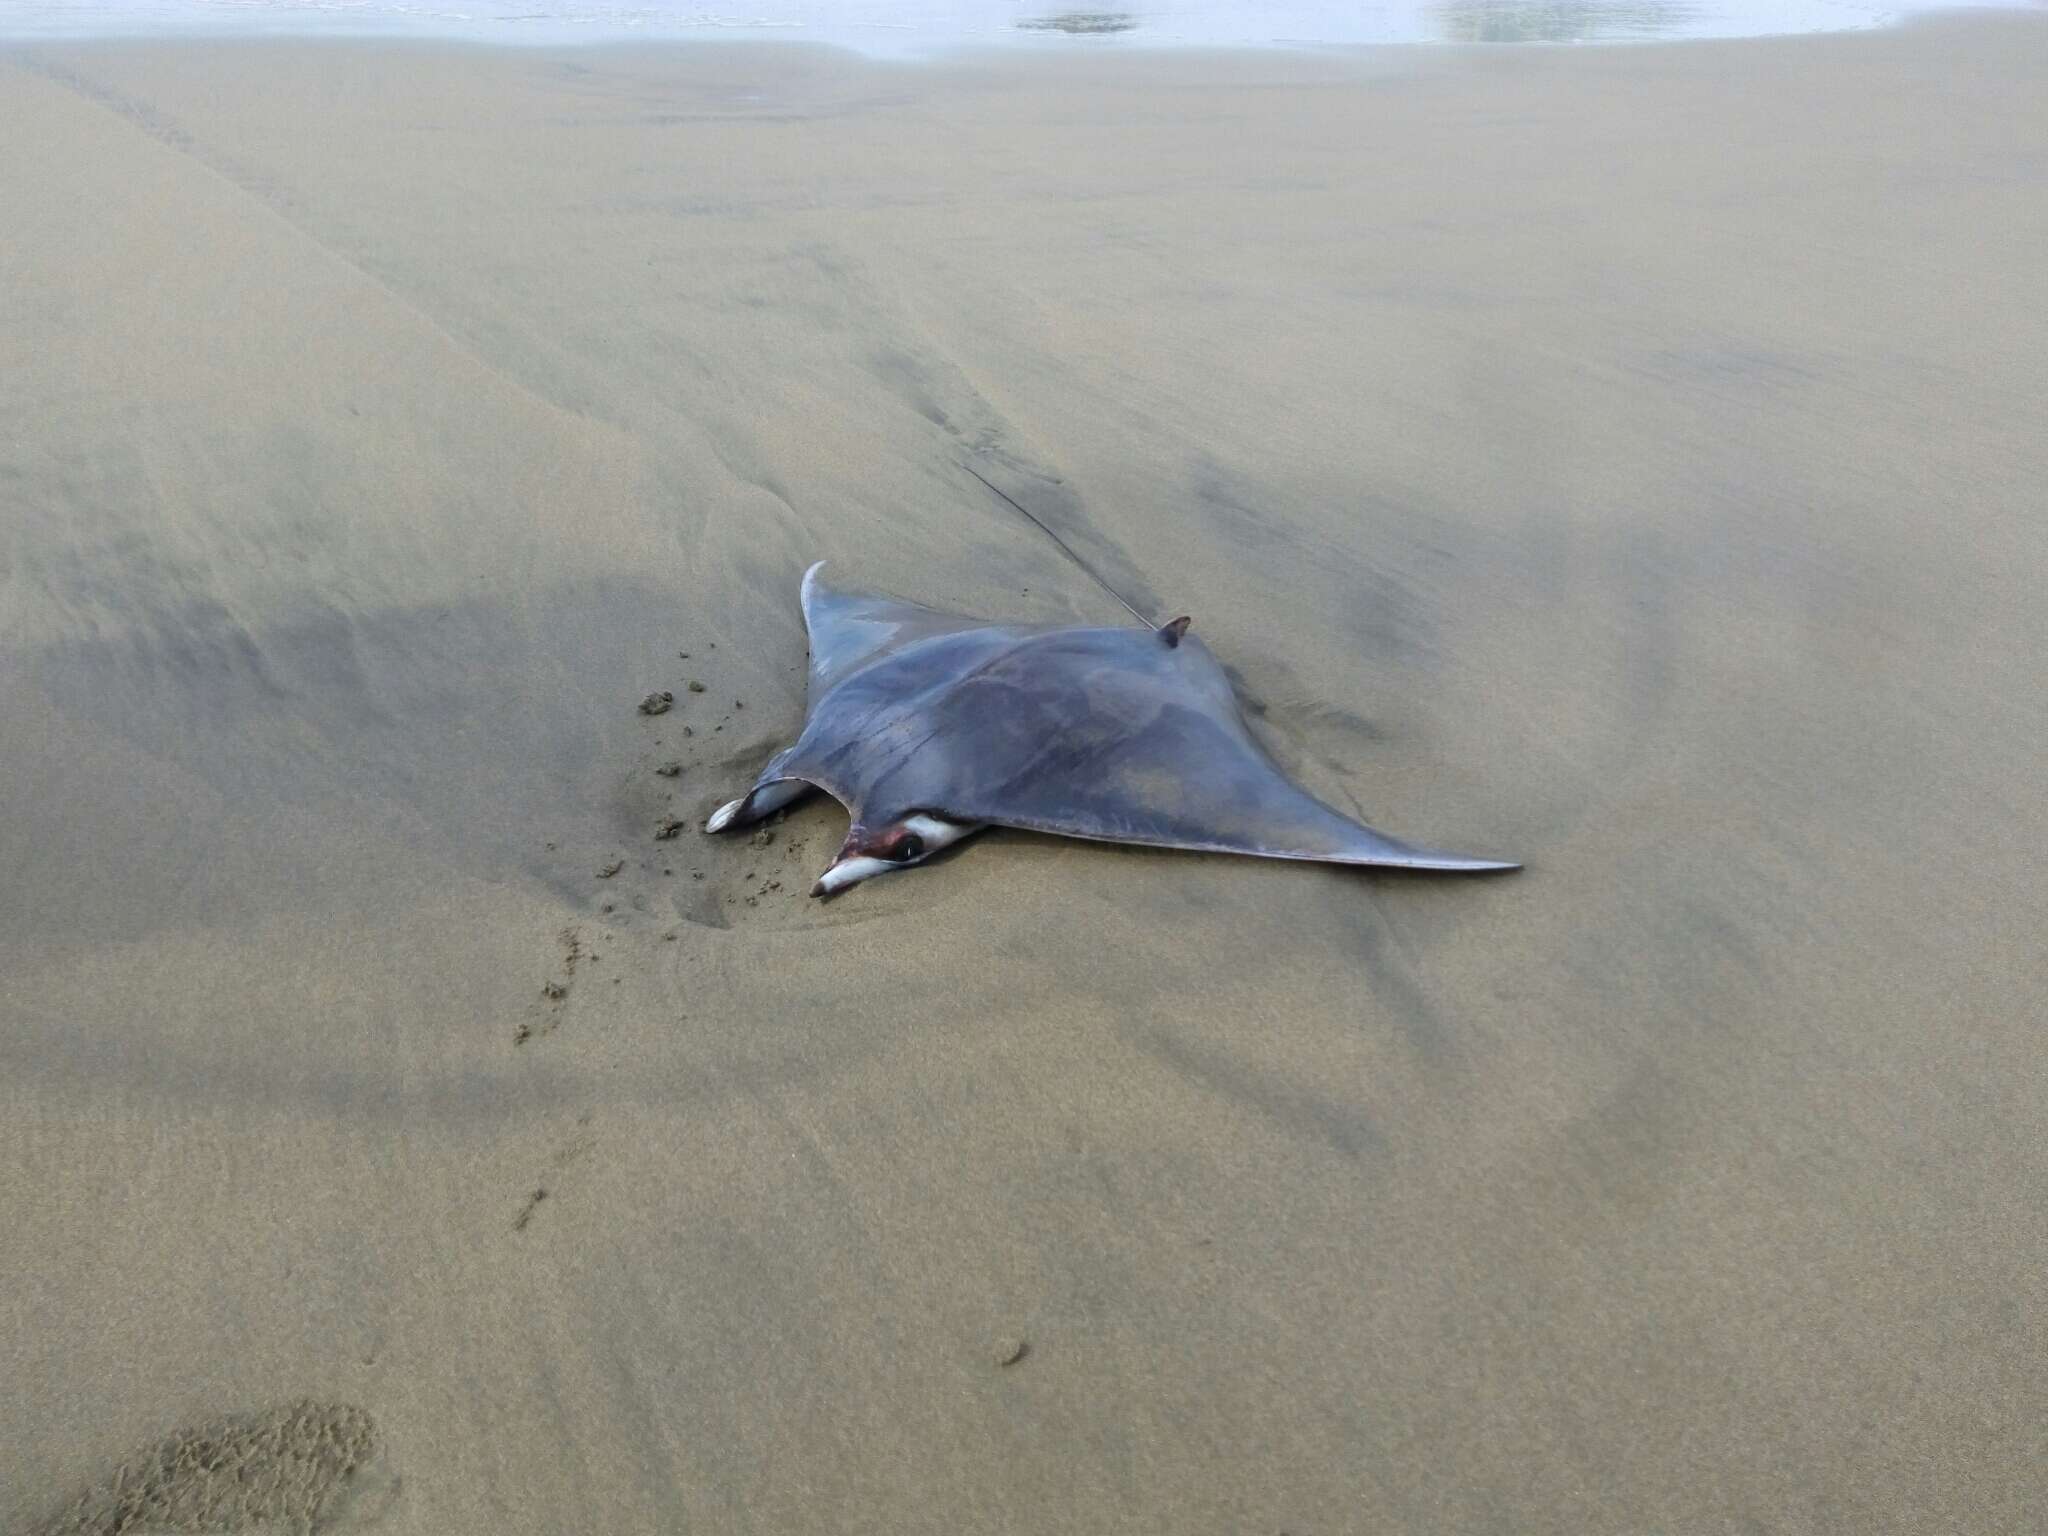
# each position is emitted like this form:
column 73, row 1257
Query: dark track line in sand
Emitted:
column 270, row 196
column 935, row 387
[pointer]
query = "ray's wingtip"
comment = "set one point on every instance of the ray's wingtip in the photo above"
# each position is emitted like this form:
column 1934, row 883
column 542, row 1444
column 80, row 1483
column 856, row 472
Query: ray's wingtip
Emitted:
column 1465, row 866
column 1431, row 862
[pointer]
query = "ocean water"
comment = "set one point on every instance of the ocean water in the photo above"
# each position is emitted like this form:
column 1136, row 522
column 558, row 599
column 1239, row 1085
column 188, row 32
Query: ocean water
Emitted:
column 899, row 28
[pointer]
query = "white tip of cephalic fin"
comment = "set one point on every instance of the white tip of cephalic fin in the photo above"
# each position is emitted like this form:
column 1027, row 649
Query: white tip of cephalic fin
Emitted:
column 722, row 817
column 936, row 833
column 850, row 872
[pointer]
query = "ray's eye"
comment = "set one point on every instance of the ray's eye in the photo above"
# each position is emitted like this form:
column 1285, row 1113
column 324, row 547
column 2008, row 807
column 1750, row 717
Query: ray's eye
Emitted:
column 912, row 847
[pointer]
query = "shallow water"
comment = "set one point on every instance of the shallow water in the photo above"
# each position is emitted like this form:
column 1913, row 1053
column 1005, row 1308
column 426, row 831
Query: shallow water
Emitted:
column 909, row 28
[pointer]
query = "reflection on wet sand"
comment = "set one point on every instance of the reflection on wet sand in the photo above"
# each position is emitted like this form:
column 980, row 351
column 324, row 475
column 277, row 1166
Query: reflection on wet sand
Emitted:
column 1082, row 23
column 1561, row 21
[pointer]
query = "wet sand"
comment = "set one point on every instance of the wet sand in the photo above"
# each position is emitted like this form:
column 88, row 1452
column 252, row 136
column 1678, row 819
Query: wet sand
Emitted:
column 1626, row 461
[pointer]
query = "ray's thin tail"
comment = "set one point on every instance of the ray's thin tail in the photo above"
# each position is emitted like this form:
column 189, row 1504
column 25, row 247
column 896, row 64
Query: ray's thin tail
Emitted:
column 1065, row 548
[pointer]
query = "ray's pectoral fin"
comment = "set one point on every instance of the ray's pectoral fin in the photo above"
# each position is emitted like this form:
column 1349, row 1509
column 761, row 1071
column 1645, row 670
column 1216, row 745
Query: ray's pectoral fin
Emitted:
column 902, row 844
column 1173, row 630
column 762, row 800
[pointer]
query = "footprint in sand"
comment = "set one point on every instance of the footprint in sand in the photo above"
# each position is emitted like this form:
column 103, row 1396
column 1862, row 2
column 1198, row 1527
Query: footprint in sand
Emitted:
column 572, row 1149
column 546, row 1015
column 305, row 1466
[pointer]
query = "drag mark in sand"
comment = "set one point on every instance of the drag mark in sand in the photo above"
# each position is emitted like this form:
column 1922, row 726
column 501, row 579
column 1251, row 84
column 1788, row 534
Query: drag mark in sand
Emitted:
column 935, row 385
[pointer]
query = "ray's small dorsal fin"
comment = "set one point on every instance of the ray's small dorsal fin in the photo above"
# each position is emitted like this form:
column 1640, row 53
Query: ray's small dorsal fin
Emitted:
column 1173, row 629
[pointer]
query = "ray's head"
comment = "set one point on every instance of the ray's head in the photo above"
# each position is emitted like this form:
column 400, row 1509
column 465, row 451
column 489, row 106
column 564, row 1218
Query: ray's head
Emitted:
column 902, row 844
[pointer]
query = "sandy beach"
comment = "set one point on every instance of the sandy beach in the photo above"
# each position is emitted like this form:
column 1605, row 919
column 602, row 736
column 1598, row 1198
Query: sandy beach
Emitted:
column 1630, row 461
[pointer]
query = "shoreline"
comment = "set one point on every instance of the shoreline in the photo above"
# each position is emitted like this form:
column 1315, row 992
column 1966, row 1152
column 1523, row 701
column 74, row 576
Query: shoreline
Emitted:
column 1144, row 56
column 1487, row 26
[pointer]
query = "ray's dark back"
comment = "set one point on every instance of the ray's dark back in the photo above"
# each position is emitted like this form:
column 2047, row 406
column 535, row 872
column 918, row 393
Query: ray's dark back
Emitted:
column 1109, row 733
